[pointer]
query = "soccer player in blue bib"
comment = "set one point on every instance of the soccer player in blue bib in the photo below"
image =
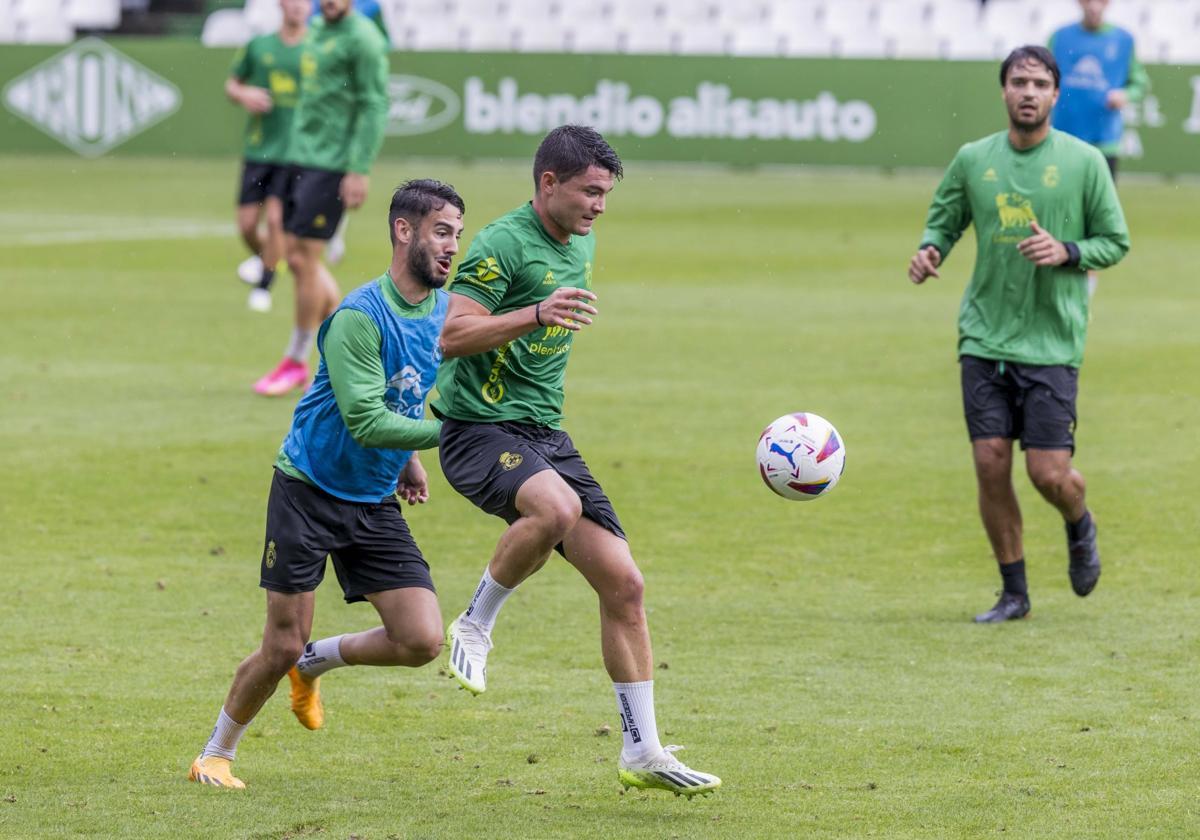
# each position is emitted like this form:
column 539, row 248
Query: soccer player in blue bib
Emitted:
column 351, row 452
column 1100, row 76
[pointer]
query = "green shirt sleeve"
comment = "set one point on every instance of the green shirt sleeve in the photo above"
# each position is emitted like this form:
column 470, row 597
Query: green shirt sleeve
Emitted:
column 242, row 65
column 1138, row 84
column 1106, row 234
column 950, row 212
column 487, row 272
column 351, row 351
column 370, row 79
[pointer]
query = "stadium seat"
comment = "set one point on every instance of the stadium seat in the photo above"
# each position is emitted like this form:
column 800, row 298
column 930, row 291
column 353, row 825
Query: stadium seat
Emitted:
column 850, row 17
column 650, row 40
column 489, row 35
column 263, row 16
column 862, row 43
column 913, row 43
column 543, row 35
column 1012, row 22
column 225, row 28
column 42, row 22
column 810, row 43
column 434, row 34
column 760, row 39
column 706, row 39
column 93, row 14
column 971, row 44
column 595, row 37
column 638, row 14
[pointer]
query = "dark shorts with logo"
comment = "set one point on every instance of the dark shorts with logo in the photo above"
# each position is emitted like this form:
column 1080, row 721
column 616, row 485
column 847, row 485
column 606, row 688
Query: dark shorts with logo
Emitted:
column 370, row 545
column 312, row 207
column 263, row 180
column 488, row 463
column 1031, row 403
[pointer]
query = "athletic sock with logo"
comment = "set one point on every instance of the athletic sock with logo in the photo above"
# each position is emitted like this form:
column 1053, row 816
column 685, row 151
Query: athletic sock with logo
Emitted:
column 224, row 739
column 485, row 604
column 635, row 704
column 321, row 656
column 268, row 277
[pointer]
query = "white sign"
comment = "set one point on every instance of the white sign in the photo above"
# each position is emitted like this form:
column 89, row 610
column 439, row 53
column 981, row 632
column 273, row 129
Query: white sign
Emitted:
column 1192, row 126
column 91, row 97
column 418, row 106
column 714, row 112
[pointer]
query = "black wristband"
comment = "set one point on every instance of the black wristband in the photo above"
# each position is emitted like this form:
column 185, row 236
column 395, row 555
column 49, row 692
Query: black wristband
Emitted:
column 537, row 313
column 1072, row 254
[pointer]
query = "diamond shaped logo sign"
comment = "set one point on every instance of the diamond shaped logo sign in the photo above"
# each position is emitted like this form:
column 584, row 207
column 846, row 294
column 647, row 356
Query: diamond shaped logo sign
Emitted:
column 91, row 97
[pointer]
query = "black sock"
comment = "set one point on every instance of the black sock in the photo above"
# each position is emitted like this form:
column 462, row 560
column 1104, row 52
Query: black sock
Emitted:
column 268, row 277
column 1014, row 577
column 1077, row 530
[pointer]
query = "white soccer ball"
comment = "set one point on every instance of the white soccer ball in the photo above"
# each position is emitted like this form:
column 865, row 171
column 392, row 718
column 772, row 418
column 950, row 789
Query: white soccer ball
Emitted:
column 801, row 456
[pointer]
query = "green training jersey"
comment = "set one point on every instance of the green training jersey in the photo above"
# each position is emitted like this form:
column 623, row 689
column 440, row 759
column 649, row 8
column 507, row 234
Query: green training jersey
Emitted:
column 1013, row 310
column 513, row 263
column 267, row 62
column 343, row 105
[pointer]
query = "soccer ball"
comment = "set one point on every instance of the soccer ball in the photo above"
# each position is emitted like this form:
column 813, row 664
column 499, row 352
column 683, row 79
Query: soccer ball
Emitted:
column 801, row 456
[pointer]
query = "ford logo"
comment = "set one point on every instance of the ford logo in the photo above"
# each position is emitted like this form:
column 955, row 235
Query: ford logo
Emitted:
column 419, row 106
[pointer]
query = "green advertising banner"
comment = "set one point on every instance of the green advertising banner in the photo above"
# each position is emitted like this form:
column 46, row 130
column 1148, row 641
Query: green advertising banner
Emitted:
column 138, row 96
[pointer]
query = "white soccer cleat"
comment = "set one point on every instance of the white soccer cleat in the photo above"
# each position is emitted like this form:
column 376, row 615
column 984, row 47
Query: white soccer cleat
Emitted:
column 335, row 250
column 259, row 300
column 469, row 645
column 666, row 772
column 250, row 270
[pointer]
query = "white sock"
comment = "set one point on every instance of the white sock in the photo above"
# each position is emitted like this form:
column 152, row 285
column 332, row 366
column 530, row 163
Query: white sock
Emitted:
column 300, row 345
column 321, row 656
column 225, row 736
column 635, row 703
column 487, row 601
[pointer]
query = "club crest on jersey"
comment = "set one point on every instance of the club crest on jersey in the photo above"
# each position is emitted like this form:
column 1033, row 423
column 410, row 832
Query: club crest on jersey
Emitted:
column 1050, row 176
column 990, row 175
column 510, row 460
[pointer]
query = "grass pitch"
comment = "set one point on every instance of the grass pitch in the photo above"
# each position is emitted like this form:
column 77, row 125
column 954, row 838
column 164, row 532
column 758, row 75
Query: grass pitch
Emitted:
column 819, row 657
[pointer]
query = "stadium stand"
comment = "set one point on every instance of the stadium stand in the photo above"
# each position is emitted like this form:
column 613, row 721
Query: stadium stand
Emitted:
column 1165, row 30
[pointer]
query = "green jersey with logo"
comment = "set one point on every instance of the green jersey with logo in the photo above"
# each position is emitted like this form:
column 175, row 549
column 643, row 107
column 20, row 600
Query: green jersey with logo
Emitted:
column 267, row 62
column 513, row 263
column 343, row 106
column 1013, row 310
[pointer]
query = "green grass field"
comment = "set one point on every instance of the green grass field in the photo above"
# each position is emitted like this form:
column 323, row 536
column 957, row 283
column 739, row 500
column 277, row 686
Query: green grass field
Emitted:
column 819, row 657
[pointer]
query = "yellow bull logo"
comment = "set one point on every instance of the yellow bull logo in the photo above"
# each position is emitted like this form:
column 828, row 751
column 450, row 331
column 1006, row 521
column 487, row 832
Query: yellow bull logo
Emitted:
column 1015, row 210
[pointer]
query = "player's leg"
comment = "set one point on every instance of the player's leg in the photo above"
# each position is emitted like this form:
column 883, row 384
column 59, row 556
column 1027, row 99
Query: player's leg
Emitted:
column 1049, row 438
column 252, row 193
column 501, row 470
column 604, row 559
column 380, row 563
column 289, row 623
column 992, row 422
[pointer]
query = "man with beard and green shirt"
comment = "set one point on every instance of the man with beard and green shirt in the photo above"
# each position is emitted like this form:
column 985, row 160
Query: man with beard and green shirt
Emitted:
column 336, row 134
column 1045, row 212
column 265, row 81
column 518, row 299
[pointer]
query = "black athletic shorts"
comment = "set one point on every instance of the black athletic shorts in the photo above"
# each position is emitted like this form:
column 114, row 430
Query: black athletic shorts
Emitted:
column 312, row 207
column 260, row 180
column 488, row 463
column 370, row 545
column 1031, row 403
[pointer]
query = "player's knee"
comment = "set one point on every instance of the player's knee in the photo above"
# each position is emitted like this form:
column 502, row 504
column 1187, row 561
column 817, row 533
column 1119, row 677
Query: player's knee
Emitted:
column 297, row 263
column 427, row 648
column 282, row 654
column 625, row 592
column 992, row 463
column 1045, row 478
column 562, row 512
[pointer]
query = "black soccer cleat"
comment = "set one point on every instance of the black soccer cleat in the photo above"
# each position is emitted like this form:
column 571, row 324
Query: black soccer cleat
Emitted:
column 1084, row 568
column 1010, row 606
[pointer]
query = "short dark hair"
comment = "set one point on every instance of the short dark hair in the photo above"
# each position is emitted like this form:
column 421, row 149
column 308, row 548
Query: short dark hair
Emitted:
column 570, row 149
column 1030, row 52
column 416, row 199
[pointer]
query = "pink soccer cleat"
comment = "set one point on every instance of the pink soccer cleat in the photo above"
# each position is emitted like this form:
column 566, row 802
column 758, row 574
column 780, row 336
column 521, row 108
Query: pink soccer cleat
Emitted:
column 288, row 375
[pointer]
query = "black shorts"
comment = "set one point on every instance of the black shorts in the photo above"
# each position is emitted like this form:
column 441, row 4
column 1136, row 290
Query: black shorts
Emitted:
column 370, row 544
column 312, row 207
column 260, row 180
column 488, row 463
column 1032, row 403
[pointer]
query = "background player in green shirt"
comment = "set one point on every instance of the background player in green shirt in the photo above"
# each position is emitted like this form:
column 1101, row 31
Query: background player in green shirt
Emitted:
column 518, row 299
column 1045, row 211
column 265, row 80
column 337, row 132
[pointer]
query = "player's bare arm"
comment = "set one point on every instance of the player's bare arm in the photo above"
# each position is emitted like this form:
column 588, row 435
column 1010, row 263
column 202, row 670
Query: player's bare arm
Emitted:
column 470, row 328
column 1042, row 248
column 924, row 264
column 353, row 190
column 256, row 100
